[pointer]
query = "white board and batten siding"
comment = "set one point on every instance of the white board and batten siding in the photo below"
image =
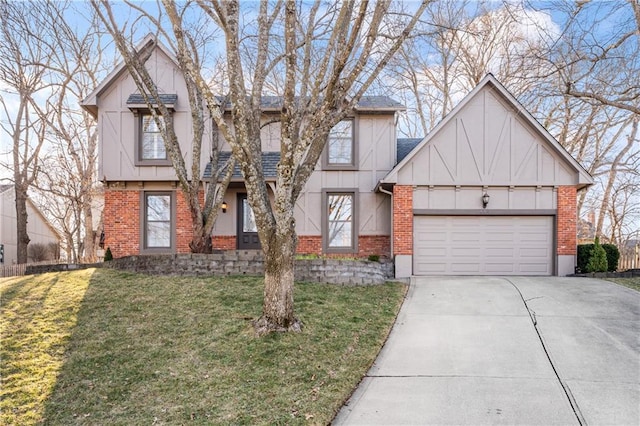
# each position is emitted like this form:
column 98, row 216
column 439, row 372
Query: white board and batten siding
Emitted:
column 483, row 245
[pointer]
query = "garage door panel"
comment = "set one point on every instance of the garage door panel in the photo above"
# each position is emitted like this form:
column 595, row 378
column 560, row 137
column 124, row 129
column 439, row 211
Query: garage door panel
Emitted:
column 533, row 268
column 534, row 252
column 465, row 267
column 538, row 235
column 460, row 252
column 483, row 245
column 499, row 268
column 502, row 252
column 499, row 237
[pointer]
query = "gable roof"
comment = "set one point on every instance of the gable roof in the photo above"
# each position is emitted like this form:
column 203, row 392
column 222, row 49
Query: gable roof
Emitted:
column 90, row 103
column 11, row 188
column 584, row 178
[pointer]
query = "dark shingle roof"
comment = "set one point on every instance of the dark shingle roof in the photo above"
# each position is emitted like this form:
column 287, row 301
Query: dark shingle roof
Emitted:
column 366, row 103
column 5, row 188
column 270, row 159
column 379, row 102
column 405, row 146
column 269, row 164
column 166, row 98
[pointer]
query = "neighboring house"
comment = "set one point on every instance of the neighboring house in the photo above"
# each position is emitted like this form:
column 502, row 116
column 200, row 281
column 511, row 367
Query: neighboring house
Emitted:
column 418, row 201
column 39, row 229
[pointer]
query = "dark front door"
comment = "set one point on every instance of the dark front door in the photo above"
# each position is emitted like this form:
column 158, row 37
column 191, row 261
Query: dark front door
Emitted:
column 247, row 230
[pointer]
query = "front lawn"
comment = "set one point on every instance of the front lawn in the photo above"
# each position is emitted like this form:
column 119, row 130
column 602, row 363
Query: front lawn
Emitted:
column 108, row 347
column 633, row 283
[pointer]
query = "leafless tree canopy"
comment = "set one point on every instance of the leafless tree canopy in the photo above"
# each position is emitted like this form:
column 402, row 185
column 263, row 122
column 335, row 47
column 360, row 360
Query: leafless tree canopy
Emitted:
column 574, row 65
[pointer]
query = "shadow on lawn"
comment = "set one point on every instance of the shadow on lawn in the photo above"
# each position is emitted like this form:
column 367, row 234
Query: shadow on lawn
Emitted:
column 38, row 316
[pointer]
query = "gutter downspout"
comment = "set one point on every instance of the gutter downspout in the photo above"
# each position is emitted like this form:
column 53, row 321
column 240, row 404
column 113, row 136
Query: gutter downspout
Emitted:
column 389, row 193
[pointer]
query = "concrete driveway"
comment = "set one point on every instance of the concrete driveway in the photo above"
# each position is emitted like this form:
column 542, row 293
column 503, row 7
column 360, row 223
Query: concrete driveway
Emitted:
column 507, row 350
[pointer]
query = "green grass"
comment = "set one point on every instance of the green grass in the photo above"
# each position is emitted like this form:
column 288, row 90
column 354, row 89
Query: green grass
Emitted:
column 633, row 283
column 130, row 349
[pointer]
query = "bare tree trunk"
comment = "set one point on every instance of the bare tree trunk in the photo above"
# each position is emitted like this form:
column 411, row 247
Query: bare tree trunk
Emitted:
column 23, row 236
column 277, row 308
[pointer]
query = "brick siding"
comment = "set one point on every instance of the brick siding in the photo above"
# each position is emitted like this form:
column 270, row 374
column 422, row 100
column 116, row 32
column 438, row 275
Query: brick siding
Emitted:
column 223, row 242
column 367, row 245
column 184, row 224
column 122, row 229
column 567, row 220
column 402, row 219
column 122, row 222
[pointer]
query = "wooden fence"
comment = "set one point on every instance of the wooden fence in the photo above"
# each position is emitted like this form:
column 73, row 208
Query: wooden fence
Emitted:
column 19, row 269
column 628, row 261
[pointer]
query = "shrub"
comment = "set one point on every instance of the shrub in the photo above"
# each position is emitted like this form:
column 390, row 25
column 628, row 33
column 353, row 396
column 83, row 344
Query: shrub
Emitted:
column 38, row 252
column 598, row 259
column 374, row 258
column 584, row 253
column 107, row 255
column 613, row 255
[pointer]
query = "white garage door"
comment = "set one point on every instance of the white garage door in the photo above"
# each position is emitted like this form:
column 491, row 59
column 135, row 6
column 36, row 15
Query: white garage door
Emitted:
column 482, row 245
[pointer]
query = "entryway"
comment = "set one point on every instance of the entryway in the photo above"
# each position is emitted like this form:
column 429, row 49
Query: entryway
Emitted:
column 247, row 231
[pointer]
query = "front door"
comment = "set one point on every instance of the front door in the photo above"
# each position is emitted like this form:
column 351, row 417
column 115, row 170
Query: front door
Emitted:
column 247, row 230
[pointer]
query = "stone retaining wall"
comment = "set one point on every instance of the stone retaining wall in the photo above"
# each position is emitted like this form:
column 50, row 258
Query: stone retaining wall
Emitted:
column 631, row 273
column 250, row 262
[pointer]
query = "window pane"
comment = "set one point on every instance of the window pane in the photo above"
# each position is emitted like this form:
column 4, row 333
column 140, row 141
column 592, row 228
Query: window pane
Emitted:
column 158, row 221
column 158, row 234
column 340, row 220
column 341, row 143
column 249, row 220
column 158, row 207
column 340, row 234
column 149, row 124
column 152, row 142
column 340, row 207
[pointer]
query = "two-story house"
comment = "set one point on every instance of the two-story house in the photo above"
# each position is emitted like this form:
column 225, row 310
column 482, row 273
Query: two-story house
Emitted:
column 488, row 191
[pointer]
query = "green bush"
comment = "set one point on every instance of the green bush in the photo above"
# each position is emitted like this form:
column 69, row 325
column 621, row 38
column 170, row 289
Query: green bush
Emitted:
column 374, row 258
column 584, row 253
column 598, row 259
column 107, row 255
column 613, row 255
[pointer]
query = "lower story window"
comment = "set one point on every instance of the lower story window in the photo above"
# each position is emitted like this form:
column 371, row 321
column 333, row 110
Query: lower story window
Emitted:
column 158, row 224
column 340, row 227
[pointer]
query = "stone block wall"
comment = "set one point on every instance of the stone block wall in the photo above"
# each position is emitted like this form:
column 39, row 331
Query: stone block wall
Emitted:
column 251, row 262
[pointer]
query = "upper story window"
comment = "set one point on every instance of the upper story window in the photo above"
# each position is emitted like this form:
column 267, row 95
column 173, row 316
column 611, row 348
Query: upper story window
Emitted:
column 152, row 143
column 150, row 148
column 149, row 144
column 341, row 151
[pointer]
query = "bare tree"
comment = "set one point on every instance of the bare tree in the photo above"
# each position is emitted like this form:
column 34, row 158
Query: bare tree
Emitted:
column 329, row 55
column 203, row 216
column 24, row 53
column 68, row 183
column 328, row 65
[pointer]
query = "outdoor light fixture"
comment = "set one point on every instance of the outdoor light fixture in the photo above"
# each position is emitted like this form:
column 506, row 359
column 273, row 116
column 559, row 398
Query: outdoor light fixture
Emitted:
column 224, row 207
column 485, row 200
